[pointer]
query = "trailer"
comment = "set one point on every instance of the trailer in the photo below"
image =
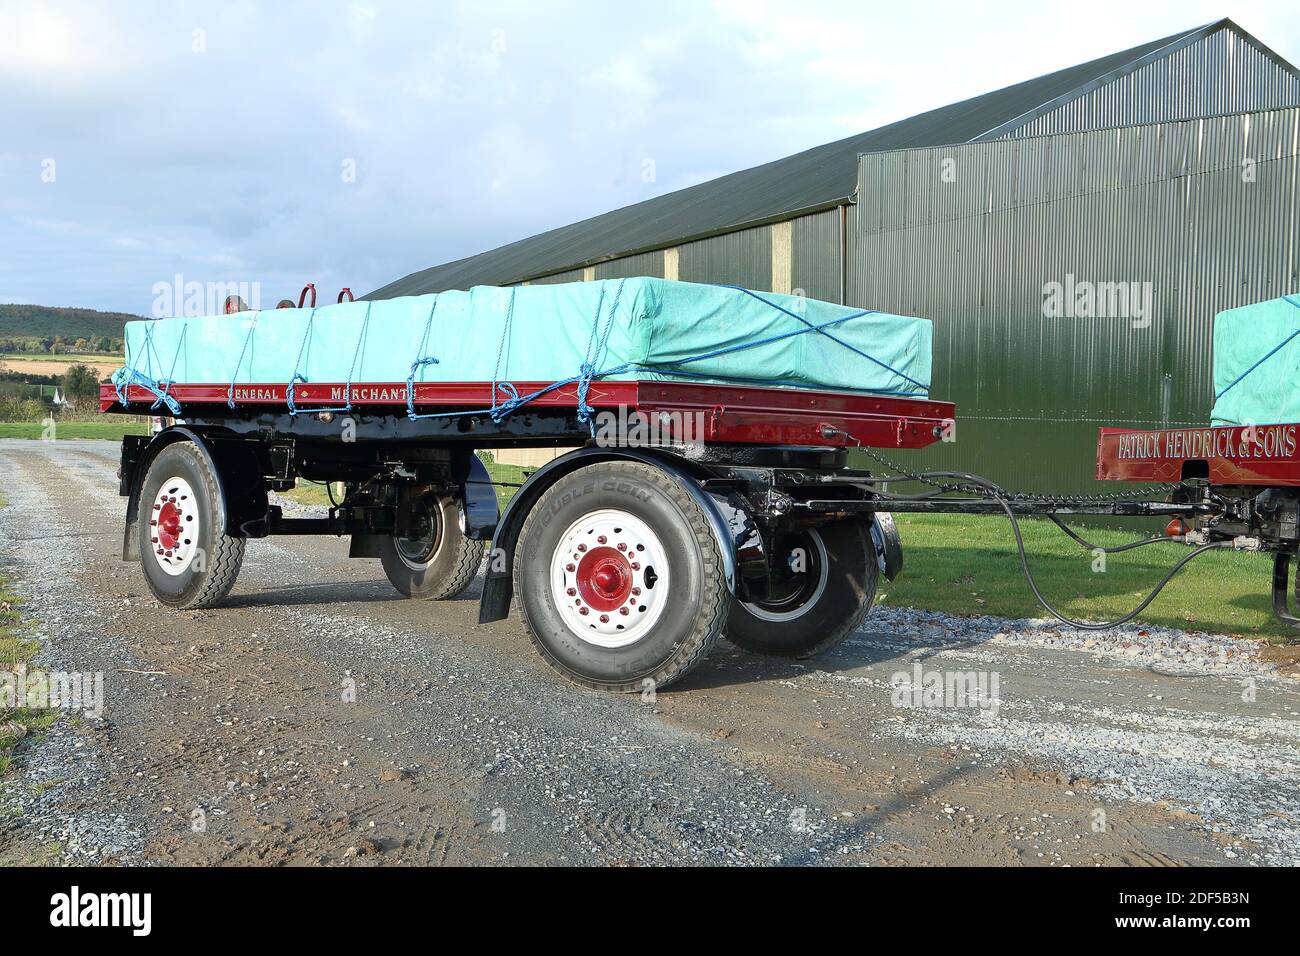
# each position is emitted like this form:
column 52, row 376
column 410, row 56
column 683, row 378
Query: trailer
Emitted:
column 627, row 559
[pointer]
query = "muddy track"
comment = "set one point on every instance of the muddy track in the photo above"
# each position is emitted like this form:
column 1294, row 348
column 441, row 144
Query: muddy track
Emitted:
column 227, row 738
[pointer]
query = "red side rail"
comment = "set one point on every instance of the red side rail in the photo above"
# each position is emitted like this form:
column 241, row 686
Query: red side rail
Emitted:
column 1236, row 455
column 729, row 413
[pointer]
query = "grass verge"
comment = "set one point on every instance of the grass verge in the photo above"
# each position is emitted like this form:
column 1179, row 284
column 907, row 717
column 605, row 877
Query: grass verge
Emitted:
column 112, row 430
column 969, row 565
column 16, row 648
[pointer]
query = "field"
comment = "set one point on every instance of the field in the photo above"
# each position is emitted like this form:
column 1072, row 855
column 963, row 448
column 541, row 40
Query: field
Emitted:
column 57, row 365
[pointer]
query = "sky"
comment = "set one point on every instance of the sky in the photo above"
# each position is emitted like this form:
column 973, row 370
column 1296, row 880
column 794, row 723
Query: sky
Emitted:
column 351, row 143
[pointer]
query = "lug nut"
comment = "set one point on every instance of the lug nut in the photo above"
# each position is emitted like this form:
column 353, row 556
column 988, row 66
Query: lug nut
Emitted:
column 570, row 568
column 623, row 611
column 636, row 590
column 582, row 611
column 582, row 547
column 604, row 619
column 622, row 546
column 636, row 566
column 571, row 592
column 602, row 539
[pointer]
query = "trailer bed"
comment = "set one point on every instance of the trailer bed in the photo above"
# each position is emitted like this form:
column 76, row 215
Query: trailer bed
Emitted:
column 729, row 414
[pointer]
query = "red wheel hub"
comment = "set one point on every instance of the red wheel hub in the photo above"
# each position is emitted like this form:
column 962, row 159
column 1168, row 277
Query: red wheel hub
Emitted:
column 604, row 579
column 169, row 525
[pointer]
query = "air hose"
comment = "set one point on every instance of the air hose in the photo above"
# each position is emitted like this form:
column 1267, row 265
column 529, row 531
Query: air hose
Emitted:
column 990, row 490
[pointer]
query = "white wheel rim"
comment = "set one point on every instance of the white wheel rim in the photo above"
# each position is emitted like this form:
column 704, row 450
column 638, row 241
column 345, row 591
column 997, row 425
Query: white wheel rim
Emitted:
column 174, row 526
column 610, row 578
column 823, row 575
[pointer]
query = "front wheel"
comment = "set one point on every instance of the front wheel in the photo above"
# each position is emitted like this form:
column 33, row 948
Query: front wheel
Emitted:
column 438, row 565
column 823, row 584
column 620, row 579
column 189, row 561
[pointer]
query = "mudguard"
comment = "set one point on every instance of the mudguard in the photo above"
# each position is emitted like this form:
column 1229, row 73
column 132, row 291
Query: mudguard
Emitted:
column 239, row 481
column 498, row 588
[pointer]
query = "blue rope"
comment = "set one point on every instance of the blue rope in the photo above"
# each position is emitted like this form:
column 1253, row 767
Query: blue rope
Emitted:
column 424, row 359
column 846, row 345
column 127, row 376
column 295, row 378
column 501, row 410
column 352, row 369
column 234, row 377
column 588, row 369
column 1281, row 345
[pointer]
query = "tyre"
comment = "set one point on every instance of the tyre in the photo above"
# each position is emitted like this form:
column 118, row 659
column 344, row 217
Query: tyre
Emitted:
column 824, row 593
column 621, row 583
column 439, row 565
column 189, row 561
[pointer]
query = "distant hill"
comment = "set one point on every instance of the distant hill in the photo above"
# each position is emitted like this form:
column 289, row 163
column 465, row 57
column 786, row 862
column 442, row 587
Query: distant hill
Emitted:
column 43, row 321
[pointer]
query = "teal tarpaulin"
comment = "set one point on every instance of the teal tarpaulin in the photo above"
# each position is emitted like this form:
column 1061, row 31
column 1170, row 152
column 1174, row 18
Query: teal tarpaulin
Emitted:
column 1257, row 363
column 631, row 329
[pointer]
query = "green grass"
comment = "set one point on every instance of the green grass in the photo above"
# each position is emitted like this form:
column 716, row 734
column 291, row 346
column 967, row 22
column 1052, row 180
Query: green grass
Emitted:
column 969, row 565
column 312, row 493
column 109, row 429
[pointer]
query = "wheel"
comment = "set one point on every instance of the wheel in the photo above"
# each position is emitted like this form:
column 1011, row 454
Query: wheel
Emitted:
column 621, row 583
column 189, row 560
column 824, row 592
column 439, row 565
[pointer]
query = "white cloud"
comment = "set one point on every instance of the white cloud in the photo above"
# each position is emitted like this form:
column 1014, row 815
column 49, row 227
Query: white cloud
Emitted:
column 472, row 124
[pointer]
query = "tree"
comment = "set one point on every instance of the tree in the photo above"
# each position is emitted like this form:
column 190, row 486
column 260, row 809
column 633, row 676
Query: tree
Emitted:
column 79, row 384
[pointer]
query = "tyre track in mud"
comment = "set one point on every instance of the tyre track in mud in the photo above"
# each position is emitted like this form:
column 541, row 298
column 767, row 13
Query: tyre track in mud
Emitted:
column 462, row 747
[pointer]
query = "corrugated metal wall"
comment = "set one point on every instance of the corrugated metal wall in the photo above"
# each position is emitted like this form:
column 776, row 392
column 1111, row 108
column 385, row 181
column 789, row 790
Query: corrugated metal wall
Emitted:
column 1205, row 212
column 573, row 276
column 815, row 255
column 1222, row 73
column 648, row 264
column 735, row 258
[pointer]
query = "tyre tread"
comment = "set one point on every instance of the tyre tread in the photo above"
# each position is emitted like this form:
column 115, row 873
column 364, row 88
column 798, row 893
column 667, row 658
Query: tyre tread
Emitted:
column 708, row 625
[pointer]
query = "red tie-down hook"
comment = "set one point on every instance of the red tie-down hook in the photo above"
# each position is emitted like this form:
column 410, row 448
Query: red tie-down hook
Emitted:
column 302, row 296
column 346, row 292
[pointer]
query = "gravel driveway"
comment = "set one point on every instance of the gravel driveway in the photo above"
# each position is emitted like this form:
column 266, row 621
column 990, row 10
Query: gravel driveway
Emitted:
column 235, row 735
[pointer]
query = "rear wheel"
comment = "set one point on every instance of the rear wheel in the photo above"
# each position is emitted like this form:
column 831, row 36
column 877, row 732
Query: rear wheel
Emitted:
column 439, row 564
column 824, row 582
column 621, row 582
column 188, row 559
